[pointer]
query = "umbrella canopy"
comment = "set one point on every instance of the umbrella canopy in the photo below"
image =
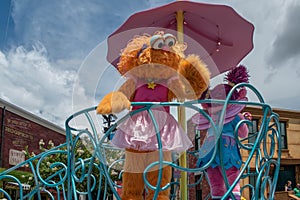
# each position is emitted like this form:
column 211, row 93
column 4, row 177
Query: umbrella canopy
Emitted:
column 217, row 33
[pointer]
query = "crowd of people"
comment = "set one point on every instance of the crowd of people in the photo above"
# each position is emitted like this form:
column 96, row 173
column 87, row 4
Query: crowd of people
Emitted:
column 296, row 190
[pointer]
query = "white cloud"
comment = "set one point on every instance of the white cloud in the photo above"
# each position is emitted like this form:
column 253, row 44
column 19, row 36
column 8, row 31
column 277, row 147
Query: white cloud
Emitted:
column 30, row 81
column 3, row 60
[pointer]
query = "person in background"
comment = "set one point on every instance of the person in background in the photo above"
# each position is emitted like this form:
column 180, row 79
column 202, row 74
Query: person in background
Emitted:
column 288, row 186
column 297, row 190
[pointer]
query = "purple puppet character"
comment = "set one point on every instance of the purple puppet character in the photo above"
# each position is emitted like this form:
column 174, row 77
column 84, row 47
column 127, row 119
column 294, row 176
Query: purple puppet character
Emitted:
column 230, row 153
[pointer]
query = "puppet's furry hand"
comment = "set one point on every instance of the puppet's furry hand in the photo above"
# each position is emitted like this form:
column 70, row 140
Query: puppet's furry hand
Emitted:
column 113, row 102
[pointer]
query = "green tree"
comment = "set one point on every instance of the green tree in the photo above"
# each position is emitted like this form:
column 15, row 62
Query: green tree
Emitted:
column 51, row 167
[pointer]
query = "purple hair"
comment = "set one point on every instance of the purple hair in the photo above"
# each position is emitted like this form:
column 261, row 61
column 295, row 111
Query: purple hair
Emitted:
column 235, row 76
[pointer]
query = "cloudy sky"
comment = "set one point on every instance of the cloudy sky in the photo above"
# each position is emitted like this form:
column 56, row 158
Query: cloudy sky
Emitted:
column 52, row 53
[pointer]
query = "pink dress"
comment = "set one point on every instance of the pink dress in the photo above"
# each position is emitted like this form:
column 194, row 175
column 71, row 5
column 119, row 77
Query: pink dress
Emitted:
column 138, row 132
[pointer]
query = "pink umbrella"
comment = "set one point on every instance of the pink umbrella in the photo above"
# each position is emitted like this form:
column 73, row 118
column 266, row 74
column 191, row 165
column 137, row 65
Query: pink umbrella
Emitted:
column 217, row 33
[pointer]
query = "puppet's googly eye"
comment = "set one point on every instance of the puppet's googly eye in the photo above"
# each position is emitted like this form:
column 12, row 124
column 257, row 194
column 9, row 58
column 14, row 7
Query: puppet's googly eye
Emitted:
column 157, row 44
column 170, row 40
column 153, row 39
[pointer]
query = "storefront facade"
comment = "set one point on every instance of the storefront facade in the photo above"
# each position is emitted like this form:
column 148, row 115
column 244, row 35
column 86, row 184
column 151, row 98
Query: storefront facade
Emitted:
column 20, row 129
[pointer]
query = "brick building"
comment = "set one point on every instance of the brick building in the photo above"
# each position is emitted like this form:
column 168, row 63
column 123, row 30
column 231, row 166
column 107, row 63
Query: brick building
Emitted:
column 18, row 129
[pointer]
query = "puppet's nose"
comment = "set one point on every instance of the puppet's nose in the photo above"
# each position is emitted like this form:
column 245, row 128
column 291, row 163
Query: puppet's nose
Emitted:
column 165, row 48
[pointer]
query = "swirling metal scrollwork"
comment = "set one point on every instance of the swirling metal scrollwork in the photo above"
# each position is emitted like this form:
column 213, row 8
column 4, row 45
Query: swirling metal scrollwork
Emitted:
column 97, row 173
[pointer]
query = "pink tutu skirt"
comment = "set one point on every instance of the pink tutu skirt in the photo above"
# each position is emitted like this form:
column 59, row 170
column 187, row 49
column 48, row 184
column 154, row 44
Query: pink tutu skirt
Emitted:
column 138, row 132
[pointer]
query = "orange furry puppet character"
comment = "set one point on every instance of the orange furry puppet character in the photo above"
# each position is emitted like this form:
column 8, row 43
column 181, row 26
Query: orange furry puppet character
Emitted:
column 156, row 70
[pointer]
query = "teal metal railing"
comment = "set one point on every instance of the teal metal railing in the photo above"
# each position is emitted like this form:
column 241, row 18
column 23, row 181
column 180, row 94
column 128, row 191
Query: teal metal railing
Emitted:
column 96, row 171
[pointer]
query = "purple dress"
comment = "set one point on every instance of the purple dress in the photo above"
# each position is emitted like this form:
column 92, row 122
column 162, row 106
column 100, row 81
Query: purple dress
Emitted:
column 138, row 131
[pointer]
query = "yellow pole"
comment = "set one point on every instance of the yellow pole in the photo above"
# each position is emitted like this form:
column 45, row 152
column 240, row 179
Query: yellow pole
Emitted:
column 181, row 115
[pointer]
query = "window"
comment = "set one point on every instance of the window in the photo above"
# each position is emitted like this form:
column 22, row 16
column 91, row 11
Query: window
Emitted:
column 252, row 182
column 283, row 135
column 198, row 188
column 253, row 130
column 197, row 139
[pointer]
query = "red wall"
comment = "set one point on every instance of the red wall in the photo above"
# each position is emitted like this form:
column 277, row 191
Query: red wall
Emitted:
column 20, row 132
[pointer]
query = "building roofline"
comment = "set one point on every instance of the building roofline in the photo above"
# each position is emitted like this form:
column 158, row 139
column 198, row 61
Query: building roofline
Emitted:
column 285, row 113
column 30, row 116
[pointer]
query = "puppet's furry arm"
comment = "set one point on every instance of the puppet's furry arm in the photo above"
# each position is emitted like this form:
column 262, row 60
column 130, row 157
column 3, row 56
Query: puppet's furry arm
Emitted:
column 117, row 101
column 194, row 75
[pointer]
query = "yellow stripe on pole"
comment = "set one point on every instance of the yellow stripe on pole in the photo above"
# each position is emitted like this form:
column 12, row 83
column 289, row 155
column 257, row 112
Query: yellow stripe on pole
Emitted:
column 181, row 115
column 179, row 19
